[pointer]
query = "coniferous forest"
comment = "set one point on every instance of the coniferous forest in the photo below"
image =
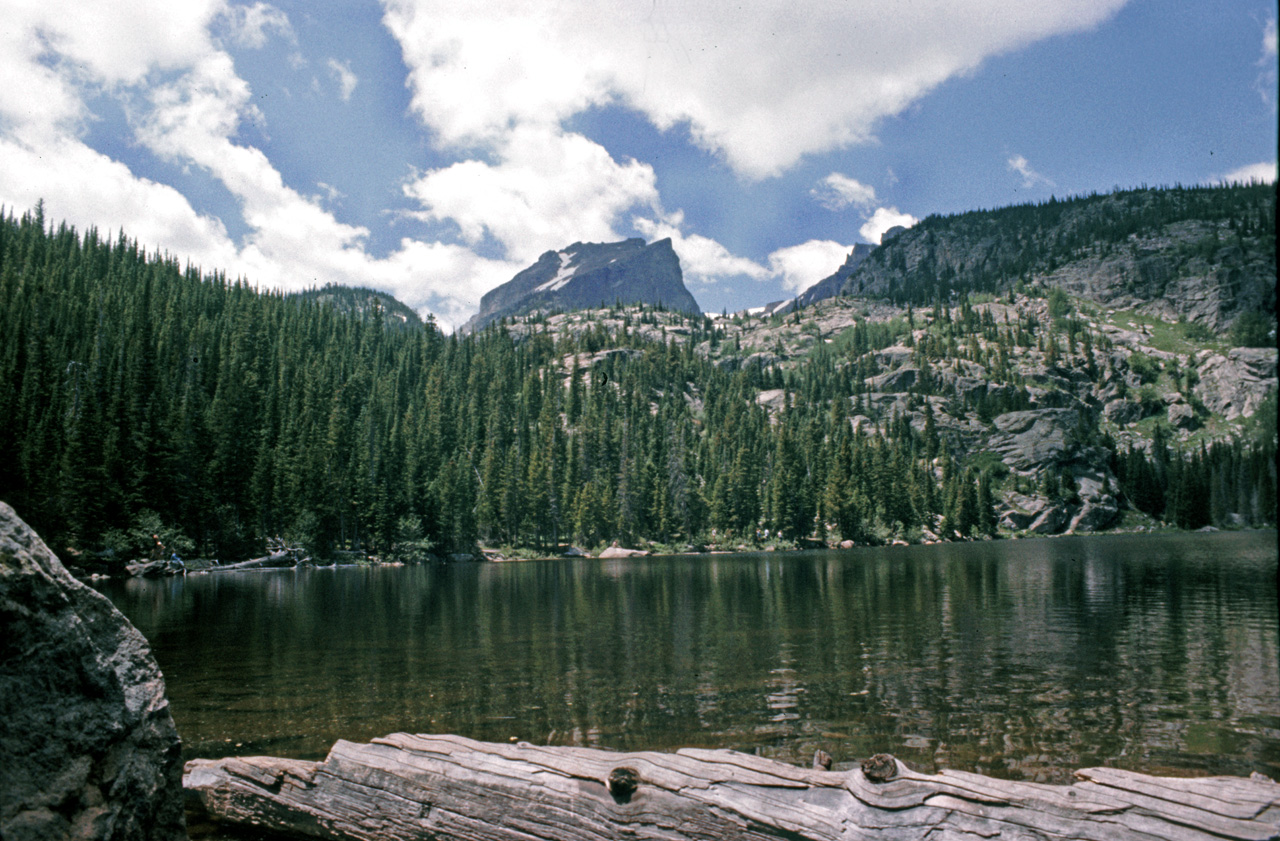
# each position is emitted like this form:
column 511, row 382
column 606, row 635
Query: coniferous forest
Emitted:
column 139, row 396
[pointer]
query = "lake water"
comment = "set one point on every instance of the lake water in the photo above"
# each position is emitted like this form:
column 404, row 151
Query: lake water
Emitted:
column 1019, row 659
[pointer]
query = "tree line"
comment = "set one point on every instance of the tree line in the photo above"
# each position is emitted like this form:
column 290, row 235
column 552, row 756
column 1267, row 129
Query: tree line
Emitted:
column 139, row 396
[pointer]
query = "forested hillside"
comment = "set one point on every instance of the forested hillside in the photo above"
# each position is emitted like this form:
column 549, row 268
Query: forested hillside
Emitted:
column 139, row 396
column 1207, row 254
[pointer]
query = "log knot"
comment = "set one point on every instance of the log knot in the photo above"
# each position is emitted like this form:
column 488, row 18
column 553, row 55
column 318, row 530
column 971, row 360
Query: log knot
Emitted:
column 880, row 768
column 622, row 782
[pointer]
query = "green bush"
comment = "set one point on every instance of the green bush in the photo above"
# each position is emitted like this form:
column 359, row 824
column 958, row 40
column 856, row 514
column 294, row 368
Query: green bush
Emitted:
column 138, row 541
column 1147, row 369
column 1252, row 329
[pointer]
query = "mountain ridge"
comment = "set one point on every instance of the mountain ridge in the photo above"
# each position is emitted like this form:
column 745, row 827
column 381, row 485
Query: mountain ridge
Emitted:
column 587, row 274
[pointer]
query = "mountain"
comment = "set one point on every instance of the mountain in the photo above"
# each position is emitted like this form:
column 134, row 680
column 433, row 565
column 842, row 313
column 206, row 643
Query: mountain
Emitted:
column 589, row 274
column 1074, row 366
column 1203, row 254
column 831, row 285
column 360, row 301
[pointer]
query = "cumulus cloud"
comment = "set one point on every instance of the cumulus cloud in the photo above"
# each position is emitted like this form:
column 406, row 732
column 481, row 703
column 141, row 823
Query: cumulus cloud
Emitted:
column 702, row 260
column 544, row 189
column 1030, row 178
column 1265, row 83
column 762, row 86
column 882, row 220
column 837, row 191
column 185, row 104
column 1263, row 173
column 341, row 73
column 801, row 266
column 250, row 26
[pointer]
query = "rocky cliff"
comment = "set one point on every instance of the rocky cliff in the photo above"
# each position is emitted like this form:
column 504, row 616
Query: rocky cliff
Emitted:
column 88, row 749
column 1206, row 255
column 591, row 275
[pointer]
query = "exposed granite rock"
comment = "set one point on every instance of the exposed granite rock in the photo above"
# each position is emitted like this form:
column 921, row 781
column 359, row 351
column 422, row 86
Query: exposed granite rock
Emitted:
column 618, row 552
column 894, row 381
column 1033, row 438
column 1123, row 412
column 1234, row 385
column 588, row 274
column 1182, row 416
column 88, row 749
column 1095, row 515
column 1050, row 521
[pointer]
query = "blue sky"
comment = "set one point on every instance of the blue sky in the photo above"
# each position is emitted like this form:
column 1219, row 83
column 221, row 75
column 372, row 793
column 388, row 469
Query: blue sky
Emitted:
column 432, row 150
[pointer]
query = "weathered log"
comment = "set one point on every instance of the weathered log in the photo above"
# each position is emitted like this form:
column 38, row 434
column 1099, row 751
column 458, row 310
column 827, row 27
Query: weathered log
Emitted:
column 275, row 559
column 449, row 787
column 152, row 569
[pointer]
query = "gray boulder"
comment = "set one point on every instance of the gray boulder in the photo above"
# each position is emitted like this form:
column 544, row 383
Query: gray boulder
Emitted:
column 1034, row 438
column 1182, row 416
column 616, row 551
column 88, row 749
column 1096, row 514
column 1050, row 521
column 1123, row 412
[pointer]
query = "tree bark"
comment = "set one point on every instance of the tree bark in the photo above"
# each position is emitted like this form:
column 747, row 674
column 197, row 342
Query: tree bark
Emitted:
column 449, row 787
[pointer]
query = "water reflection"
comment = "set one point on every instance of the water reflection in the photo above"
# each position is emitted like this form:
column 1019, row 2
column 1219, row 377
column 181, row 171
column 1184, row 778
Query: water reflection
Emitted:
column 1019, row 659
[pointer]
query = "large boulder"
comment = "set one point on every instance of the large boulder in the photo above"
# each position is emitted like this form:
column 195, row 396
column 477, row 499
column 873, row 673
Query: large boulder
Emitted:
column 88, row 749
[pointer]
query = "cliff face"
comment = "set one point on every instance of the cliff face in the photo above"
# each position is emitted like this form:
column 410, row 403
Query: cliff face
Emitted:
column 591, row 275
column 1206, row 255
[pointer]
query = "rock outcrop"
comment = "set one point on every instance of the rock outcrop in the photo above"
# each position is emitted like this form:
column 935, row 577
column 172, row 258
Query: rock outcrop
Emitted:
column 1033, row 438
column 1236, row 384
column 88, row 749
column 591, row 275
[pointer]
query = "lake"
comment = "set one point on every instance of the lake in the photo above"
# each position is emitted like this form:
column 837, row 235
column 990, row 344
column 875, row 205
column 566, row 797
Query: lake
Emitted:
column 1020, row 659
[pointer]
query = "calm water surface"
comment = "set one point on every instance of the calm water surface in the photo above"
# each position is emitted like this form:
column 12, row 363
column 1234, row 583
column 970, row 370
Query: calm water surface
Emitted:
column 1020, row 659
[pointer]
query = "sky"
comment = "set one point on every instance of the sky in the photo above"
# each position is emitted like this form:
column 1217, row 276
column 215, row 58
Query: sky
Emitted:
column 434, row 149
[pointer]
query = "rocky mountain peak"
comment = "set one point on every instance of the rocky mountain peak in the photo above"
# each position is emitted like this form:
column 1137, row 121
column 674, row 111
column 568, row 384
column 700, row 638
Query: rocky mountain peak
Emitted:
column 590, row 274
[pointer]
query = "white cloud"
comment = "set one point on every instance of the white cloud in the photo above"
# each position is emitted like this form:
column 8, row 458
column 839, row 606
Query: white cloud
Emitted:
column 1263, row 173
column 763, row 86
column 546, row 189
column 882, row 220
column 341, row 73
column 1265, row 83
column 250, row 26
column 837, row 191
column 702, row 260
column 50, row 62
column 1030, row 178
column 801, row 266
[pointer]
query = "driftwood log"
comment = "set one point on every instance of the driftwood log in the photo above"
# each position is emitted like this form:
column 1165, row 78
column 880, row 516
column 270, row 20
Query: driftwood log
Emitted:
column 282, row 558
column 448, row 787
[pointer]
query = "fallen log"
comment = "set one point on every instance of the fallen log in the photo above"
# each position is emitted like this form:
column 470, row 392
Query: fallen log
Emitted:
column 275, row 559
column 448, row 787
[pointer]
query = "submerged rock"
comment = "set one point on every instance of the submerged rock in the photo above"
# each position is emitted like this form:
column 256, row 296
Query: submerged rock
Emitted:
column 88, row 749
